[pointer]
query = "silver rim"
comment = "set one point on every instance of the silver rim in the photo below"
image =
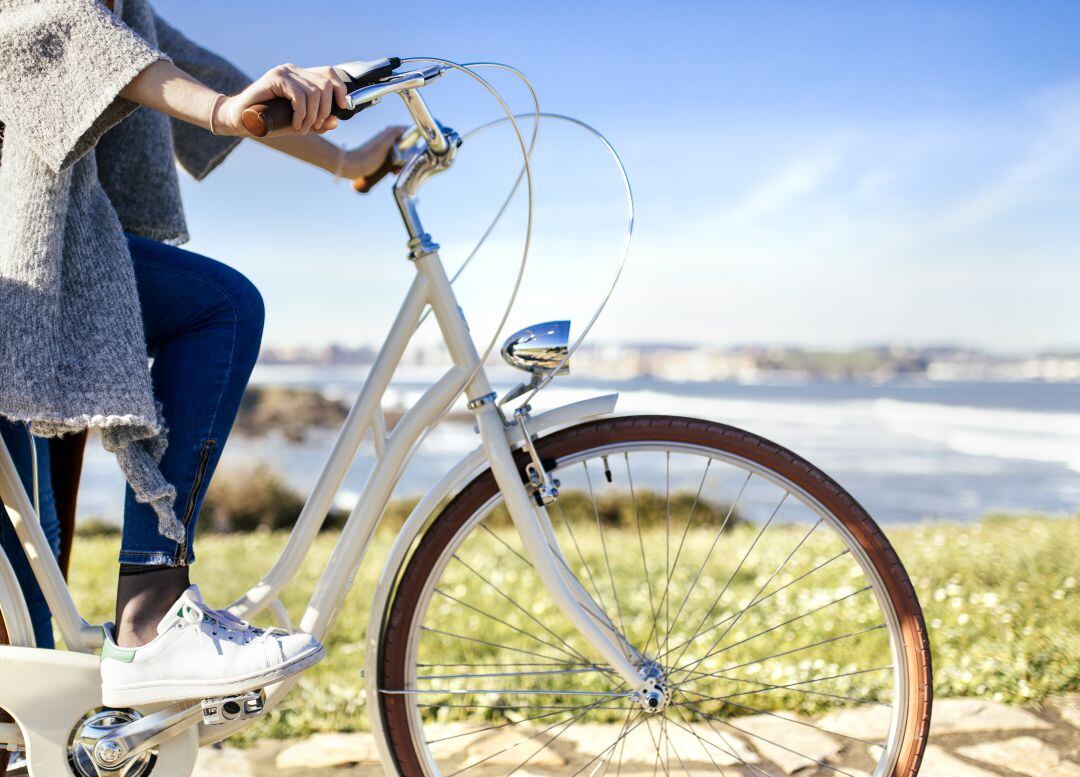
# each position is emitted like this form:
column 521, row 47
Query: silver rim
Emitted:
column 764, row 583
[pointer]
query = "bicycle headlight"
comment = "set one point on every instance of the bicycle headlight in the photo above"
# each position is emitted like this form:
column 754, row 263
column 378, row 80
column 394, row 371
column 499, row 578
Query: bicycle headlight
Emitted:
column 539, row 348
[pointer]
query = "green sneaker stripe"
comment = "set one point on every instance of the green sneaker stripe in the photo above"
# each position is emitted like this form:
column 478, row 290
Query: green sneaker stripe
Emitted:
column 109, row 650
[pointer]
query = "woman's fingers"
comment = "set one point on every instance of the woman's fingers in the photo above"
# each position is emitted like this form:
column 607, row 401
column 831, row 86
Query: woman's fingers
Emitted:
column 311, row 92
column 326, row 102
column 284, row 83
column 341, row 93
column 330, row 123
column 309, row 83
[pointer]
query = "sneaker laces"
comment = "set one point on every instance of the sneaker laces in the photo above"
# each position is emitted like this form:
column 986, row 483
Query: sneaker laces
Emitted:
column 200, row 615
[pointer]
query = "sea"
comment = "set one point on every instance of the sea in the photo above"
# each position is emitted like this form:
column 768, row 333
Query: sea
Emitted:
column 908, row 449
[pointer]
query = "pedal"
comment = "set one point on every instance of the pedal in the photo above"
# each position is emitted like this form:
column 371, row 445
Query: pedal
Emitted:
column 226, row 709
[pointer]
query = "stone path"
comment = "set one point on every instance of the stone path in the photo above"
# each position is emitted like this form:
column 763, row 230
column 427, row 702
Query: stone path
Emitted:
column 969, row 738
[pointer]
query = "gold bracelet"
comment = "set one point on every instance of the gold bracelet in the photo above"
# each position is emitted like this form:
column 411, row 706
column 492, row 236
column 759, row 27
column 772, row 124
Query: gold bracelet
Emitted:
column 213, row 110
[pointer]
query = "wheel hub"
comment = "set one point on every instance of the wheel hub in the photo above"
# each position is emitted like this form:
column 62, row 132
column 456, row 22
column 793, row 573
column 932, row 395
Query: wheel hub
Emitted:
column 90, row 755
column 654, row 694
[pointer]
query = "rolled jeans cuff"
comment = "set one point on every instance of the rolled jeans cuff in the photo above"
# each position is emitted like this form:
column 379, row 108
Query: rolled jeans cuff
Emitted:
column 154, row 558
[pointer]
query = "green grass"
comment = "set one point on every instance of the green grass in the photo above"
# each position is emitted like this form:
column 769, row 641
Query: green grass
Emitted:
column 1001, row 598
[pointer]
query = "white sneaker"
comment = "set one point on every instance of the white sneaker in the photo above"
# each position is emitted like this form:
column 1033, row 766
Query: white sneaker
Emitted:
column 200, row 653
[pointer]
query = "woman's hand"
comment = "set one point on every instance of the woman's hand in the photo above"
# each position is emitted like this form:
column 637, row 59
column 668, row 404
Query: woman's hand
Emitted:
column 364, row 160
column 312, row 92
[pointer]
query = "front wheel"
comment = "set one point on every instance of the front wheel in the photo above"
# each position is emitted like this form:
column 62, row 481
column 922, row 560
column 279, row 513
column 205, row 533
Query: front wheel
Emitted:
column 783, row 627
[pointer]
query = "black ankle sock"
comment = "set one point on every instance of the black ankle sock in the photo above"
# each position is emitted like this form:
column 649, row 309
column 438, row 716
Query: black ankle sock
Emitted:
column 141, row 569
column 143, row 595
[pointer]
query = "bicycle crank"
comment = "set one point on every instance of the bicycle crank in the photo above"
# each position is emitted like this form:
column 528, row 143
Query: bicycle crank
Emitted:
column 91, row 753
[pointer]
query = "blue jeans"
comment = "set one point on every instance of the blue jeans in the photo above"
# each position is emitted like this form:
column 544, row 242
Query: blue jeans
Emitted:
column 203, row 324
column 18, row 444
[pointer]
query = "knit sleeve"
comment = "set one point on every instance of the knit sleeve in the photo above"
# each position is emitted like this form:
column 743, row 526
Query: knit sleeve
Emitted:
column 197, row 149
column 62, row 66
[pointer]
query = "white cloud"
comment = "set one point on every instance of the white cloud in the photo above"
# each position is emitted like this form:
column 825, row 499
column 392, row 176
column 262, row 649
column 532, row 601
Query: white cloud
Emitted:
column 796, row 180
column 1053, row 150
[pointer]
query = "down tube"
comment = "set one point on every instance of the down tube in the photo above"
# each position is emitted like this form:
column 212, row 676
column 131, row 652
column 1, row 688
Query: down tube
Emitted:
column 341, row 458
column 349, row 551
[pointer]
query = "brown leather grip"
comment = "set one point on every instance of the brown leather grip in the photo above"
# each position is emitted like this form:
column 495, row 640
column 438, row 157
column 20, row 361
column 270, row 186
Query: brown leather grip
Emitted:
column 365, row 183
column 267, row 118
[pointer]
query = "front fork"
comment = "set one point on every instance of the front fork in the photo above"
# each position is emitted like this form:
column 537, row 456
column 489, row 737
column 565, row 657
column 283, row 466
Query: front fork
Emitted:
column 532, row 523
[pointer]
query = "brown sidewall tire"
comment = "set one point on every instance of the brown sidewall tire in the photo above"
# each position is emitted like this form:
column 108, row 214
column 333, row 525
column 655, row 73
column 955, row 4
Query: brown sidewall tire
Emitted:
column 631, row 429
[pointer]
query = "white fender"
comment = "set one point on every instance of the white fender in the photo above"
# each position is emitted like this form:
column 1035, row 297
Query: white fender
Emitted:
column 424, row 512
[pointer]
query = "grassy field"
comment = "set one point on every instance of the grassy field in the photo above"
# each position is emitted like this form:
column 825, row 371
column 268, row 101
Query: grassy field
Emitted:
column 1001, row 598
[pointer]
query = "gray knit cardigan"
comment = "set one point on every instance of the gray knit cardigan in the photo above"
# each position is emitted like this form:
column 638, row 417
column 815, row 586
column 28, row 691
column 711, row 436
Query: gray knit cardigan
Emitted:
column 79, row 166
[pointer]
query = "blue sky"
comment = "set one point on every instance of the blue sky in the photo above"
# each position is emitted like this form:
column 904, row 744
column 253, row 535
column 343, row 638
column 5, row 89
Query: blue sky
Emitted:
column 822, row 174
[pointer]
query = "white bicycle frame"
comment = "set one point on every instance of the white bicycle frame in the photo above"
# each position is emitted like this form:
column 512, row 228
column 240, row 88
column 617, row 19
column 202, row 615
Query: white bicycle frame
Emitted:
column 47, row 692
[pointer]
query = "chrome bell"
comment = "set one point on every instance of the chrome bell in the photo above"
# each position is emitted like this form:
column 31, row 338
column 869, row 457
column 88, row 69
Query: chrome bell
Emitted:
column 538, row 349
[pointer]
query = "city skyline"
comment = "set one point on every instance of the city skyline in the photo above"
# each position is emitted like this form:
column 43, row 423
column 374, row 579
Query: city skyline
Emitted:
column 827, row 177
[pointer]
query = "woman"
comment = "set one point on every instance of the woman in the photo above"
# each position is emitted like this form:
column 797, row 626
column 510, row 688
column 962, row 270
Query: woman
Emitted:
column 91, row 285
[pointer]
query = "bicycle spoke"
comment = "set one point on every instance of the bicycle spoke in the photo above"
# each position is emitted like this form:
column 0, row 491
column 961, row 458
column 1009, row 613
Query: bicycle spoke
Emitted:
column 755, row 604
column 493, row 644
column 521, row 742
column 581, row 557
column 521, row 609
column 508, row 664
column 712, row 547
column 789, row 621
column 641, row 541
column 610, row 749
column 603, row 545
column 440, row 705
column 495, row 726
column 510, row 626
column 503, row 691
column 511, row 674
column 506, row 545
column 771, row 742
column 656, row 745
column 678, row 553
column 761, row 590
column 766, row 687
column 731, row 578
column 796, row 650
column 703, row 742
column 793, row 720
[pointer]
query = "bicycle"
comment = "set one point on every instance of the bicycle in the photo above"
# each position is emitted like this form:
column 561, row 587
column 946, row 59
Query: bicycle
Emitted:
column 582, row 591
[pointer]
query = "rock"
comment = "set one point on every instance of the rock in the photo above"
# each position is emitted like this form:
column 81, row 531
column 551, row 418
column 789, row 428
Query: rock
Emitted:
column 1069, row 707
column 1026, row 755
column 446, row 740
column 785, row 735
column 325, row 750
column 953, row 716
column 868, row 723
column 938, row 763
column 215, row 761
column 512, row 746
column 591, row 739
column 871, row 723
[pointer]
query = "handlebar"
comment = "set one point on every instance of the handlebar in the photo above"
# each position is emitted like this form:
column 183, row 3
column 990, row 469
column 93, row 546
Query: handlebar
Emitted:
column 368, row 83
column 276, row 115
